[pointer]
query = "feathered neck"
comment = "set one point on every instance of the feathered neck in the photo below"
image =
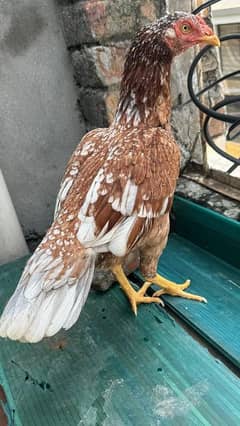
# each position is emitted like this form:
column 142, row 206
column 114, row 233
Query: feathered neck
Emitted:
column 145, row 87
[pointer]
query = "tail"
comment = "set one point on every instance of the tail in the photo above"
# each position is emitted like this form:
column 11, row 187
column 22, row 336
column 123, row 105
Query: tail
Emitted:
column 49, row 296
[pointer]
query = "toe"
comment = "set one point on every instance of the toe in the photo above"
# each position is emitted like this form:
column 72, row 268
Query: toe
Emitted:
column 190, row 296
column 159, row 293
column 134, row 306
column 153, row 300
column 202, row 299
column 184, row 285
column 144, row 288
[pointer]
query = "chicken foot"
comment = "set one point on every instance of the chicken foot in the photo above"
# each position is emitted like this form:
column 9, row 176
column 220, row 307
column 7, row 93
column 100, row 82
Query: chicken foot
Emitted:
column 135, row 297
column 169, row 287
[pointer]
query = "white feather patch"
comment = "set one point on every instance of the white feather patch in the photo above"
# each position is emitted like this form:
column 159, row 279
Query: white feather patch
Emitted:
column 37, row 328
column 170, row 33
column 66, row 299
column 82, row 293
column 116, row 204
column 164, row 206
column 65, row 186
column 86, row 231
column 128, row 198
column 87, row 228
column 92, row 195
column 118, row 243
column 42, row 302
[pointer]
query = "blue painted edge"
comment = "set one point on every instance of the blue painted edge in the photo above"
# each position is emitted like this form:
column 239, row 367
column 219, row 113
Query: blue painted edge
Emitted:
column 208, row 229
column 10, row 411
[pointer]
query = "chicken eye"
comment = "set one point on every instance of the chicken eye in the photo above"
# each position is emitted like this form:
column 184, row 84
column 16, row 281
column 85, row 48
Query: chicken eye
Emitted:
column 186, row 28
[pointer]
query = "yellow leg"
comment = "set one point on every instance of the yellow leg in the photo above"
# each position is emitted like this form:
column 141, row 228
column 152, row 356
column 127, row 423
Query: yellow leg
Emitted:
column 169, row 287
column 135, row 297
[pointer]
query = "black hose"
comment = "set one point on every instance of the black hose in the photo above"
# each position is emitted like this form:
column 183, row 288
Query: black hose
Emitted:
column 219, row 116
column 204, row 6
column 207, row 135
column 212, row 112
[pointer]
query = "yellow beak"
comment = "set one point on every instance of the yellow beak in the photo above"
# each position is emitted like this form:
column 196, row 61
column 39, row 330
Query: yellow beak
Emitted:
column 212, row 39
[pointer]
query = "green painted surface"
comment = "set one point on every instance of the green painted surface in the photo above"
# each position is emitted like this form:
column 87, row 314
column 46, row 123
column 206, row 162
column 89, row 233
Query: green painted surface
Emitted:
column 113, row 369
column 218, row 320
column 9, row 404
column 210, row 230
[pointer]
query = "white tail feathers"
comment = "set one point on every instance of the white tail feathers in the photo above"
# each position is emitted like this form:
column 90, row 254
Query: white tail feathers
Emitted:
column 49, row 296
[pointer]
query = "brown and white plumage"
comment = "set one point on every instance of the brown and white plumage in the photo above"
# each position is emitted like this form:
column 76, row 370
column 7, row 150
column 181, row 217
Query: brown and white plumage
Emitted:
column 115, row 196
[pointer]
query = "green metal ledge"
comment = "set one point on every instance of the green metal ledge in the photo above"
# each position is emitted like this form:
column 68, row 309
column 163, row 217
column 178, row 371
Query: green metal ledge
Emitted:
column 113, row 369
column 218, row 320
column 205, row 248
column 208, row 229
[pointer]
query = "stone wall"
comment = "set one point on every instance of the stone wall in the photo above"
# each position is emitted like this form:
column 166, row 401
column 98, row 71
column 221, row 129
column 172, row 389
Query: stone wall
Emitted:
column 208, row 198
column 97, row 35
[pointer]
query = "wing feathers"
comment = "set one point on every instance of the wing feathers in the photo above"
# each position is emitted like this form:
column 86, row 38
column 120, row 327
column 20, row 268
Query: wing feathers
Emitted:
column 66, row 299
column 46, row 300
column 81, row 296
column 116, row 183
column 36, row 330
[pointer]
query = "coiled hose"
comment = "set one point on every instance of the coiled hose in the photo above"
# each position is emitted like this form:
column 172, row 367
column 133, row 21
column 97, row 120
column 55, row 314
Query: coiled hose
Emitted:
column 233, row 120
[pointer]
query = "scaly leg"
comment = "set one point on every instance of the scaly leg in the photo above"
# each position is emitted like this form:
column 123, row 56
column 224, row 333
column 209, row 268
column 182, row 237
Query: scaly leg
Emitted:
column 169, row 287
column 135, row 297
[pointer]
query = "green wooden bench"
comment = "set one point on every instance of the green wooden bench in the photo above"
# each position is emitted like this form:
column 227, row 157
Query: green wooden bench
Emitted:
column 113, row 369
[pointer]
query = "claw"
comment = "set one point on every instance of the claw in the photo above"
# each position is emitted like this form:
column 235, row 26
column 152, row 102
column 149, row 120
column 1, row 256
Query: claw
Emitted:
column 169, row 287
column 181, row 293
column 136, row 299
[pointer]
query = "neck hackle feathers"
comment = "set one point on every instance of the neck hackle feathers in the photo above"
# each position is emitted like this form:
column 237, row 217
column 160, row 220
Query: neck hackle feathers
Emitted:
column 145, row 87
column 146, row 74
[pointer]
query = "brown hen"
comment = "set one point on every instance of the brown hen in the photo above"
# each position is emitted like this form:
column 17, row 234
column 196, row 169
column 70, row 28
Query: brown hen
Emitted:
column 115, row 196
